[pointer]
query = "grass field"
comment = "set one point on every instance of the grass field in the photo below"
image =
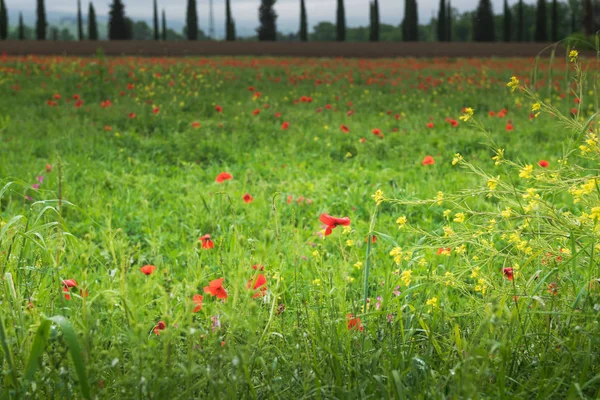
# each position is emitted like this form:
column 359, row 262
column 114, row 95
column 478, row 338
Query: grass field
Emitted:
column 468, row 268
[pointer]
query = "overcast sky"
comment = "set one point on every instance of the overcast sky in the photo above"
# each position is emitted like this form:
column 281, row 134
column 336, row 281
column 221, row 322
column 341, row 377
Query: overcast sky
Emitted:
column 245, row 12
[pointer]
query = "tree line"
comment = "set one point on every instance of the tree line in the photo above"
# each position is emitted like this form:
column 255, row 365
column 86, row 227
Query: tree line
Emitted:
column 518, row 22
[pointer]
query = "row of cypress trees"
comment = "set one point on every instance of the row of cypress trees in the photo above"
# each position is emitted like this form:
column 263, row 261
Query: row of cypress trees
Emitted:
column 120, row 27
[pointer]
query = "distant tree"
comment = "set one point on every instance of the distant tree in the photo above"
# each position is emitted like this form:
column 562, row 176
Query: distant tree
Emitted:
column 21, row 27
column 483, row 29
column 588, row 18
column 140, row 30
column 448, row 22
column 54, row 32
column 340, row 22
column 507, row 22
column 164, row 25
column 229, row 22
column 267, row 31
column 92, row 24
column 79, row 21
column 118, row 27
column 520, row 26
column 156, row 29
column 374, row 26
column 3, row 21
column 303, row 22
column 410, row 25
column 441, row 22
column 541, row 33
column 323, row 32
column 41, row 24
column 554, row 16
column 65, row 34
column 192, row 20
column 172, row 35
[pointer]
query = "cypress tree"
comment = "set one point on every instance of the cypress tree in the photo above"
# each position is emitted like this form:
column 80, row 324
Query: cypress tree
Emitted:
column 303, row 22
column 21, row 27
column 340, row 24
column 507, row 22
column 41, row 24
column 118, row 28
column 156, row 29
column 164, row 25
column 92, row 24
column 449, row 22
column 484, row 25
column 441, row 28
column 267, row 31
column 554, row 31
column 374, row 32
column 79, row 21
column 192, row 20
column 3, row 21
column 410, row 24
column 229, row 22
column 588, row 18
column 520, row 27
column 541, row 34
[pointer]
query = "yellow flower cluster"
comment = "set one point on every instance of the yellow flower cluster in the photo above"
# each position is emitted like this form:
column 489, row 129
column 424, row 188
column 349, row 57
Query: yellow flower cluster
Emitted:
column 401, row 221
column 585, row 188
column 520, row 243
column 400, row 255
column 405, row 277
column 457, row 158
column 448, row 232
column 459, row 217
column 513, row 84
column 378, row 197
column 439, row 198
column 526, row 171
column 573, row 54
column 432, row 302
column 467, row 115
column 535, row 109
column 499, row 157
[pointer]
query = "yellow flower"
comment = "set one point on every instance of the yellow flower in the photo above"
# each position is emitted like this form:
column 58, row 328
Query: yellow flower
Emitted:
column 595, row 214
column 467, row 115
column 506, row 213
column 448, row 232
column 405, row 277
column 499, row 157
column 378, row 197
column 513, row 84
column 349, row 243
column 526, row 171
column 447, row 212
column 422, row 262
column 461, row 249
column 449, row 279
column 358, row 265
column 316, row 282
column 401, row 221
column 492, row 183
column 475, row 272
column 459, row 217
column 315, row 254
column 573, row 54
column 457, row 158
column 432, row 302
column 439, row 198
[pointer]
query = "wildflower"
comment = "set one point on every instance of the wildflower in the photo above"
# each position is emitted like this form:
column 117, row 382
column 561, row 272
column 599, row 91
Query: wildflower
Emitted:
column 513, row 84
column 377, row 132
column 259, row 282
column 508, row 273
column 344, row 128
column 397, row 254
column 468, row 113
column 198, row 302
column 553, row 288
column 461, row 249
column 535, row 109
column 405, row 277
column 428, row 160
column 131, row 115
column 526, row 171
column 448, row 232
column 543, row 163
column 316, row 282
column 48, row 168
column 258, row 267
column 475, row 272
column 459, row 217
column 573, row 54
column 354, row 323
column 160, row 326
column 256, row 112
column 499, row 156
column 248, row 198
column 509, row 126
column 148, row 269
column 218, row 109
column 457, row 158
column 432, row 302
column 430, row 125
column 358, row 265
column 285, row 125
column 444, row 251
column 206, row 242
column 349, row 243
column 439, row 198
column 447, row 213
column 215, row 288
column 378, row 197
column 332, row 222
column 401, row 221
column 155, row 110
column 506, row 213
column 492, row 183
column 223, row 176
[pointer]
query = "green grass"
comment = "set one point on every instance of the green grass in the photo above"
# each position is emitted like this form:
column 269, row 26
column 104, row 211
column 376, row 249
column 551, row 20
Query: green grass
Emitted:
column 125, row 192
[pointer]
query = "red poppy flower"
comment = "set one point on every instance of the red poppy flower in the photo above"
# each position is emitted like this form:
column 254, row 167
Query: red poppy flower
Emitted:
column 573, row 111
column 206, row 242
column 155, row 110
column 195, row 124
column 198, row 302
column 430, row 125
column 256, row 112
column 215, row 288
column 289, row 199
column 543, row 163
column 48, row 168
column 373, row 239
column 223, row 176
column 57, row 96
column 508, row 273
column 132, row 115
column 161, row 326
column 354, row 323
column 453, row 122
column 509, row 126
column 491, row 113
column 69, row 283
column 428, row 160
column 285, row 125
column 344, row 128
column 277, row 114
column 76, row 97
column 148, row 269
column 218, row 109
column 259, row 282
column 107, row 128
column 248, row 198
column 332, row 222
column 377, row 132
column 78, row 103
column 443, row 250
column 251, row 88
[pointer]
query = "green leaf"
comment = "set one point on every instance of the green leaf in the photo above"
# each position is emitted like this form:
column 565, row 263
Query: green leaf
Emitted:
column 71, row 339
column 39, row 345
